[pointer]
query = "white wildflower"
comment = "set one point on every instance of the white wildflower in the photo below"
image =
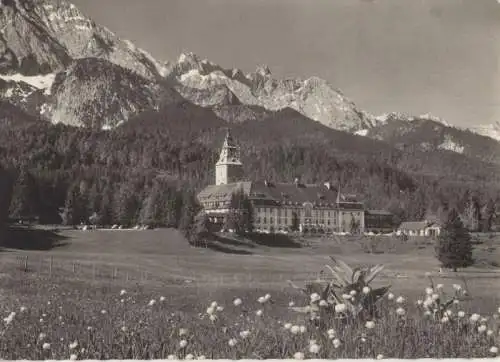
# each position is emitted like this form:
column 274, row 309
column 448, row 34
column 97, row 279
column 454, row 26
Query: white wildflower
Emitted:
column 346, row 296
column 295, row 329
column 298, row 355
column 213, row 317
column 303, row 329
column 435, row 297
column 370, row 324
column 244, row 334
column 189, row 356
column 457, row 287
column 291, row 304
column 336, row 343
column 267, row 297
column 124, row 329
column 380, row 356
column 474, row 317
column 314, row 348
column 366, row 290
column 42, row 336
column 183, row 343
column 287, row 326
column 152, row 302
column 73, row 357
column 214, row 304
column 123, row 292
column 482, row 328
column 172, row 357
column 494, row 350
column 353, row 293
column 201, row 357
column 182, row 332
column 315, row 297
column 237, row 302
column 73, row 345
column 439, row 286
column 219, row 308
column 489, row 332
column 461, row 314
column 22, row 309
column 162, row 298
column 323, row 303
column 429, row 291
column 390, row 296
column 445, row 320
column 258, row 313
column 448, row 313
column 340, row 308
column 232, row 342
column 400, row 300
column 46, row 346
column 103, row 311
column 420, row 302
column 210, row 310
column 400, row 312
column 261, row 300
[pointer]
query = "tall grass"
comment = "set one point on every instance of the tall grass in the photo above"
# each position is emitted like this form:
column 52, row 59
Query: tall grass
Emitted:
column 62, row 320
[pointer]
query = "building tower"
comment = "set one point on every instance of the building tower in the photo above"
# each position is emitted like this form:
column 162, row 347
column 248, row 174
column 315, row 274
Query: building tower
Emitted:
column 229, row 168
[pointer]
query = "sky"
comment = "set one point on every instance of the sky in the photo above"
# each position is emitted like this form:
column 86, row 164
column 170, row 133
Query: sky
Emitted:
column 414, row 56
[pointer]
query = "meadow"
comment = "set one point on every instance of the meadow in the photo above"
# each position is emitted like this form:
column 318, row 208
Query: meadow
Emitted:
column 115, row 294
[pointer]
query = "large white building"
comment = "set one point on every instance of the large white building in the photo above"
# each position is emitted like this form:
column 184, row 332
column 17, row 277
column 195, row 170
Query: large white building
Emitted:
column 319, row 208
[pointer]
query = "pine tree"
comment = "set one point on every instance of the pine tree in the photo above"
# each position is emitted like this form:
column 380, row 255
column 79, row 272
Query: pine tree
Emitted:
column 454, row 246
column 489, row 214
column 240, row 215
column 24, row 197
column 190, row 208
column 200, row 230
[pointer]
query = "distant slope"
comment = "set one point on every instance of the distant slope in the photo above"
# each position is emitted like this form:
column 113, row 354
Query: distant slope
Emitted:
column 428, row 135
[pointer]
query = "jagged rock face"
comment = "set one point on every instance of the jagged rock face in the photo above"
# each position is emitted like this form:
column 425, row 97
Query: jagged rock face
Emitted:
column 314, row 98
column 42, row 36
column 96, row 93
column 25, row 44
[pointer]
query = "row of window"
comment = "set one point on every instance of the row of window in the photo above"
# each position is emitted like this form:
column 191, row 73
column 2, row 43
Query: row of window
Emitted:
column 288, row 221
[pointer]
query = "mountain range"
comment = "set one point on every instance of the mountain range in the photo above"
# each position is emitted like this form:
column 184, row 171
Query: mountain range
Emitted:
column 58, row 65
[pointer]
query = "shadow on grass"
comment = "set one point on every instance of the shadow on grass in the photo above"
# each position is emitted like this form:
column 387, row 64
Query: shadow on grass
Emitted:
column 232, row 241
column 215, row 246
column 274, row 240
column 26, row 238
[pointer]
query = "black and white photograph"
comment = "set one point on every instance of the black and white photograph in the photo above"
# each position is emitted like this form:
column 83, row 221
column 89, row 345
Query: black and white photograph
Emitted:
column 249, row 179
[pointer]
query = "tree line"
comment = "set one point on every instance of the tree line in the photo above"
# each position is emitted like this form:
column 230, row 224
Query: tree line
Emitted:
column 149, row 171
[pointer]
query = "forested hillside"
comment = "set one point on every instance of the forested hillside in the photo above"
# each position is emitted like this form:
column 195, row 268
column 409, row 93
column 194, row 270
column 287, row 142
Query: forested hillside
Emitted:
column 145, row 170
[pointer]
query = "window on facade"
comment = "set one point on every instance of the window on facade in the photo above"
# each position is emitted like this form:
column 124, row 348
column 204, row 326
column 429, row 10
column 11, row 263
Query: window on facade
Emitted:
column 271, row 220
column 308, row 209
column 265, row 220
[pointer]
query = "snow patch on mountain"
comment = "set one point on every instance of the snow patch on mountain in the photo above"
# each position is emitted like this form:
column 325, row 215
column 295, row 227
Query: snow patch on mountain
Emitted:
column 489, row 130
column 362, row 132
column 42, row 81
column 450, row 145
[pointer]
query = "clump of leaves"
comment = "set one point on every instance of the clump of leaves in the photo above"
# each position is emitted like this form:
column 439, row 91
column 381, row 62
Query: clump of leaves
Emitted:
column 344, row 292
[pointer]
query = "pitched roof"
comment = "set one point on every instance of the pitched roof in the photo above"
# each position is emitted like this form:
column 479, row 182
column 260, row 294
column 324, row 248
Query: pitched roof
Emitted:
column 281, row 193
column 223, row 192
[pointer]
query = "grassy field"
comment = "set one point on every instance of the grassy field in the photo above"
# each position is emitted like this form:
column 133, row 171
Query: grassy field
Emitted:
column 81, row 274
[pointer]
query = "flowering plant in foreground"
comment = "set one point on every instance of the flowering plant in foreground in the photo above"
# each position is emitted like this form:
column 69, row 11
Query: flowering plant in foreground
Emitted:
column 245, row 324
column 347, row 294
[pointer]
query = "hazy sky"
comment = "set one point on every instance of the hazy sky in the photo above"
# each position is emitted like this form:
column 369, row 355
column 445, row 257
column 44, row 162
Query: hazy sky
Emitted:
column 415, row 56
